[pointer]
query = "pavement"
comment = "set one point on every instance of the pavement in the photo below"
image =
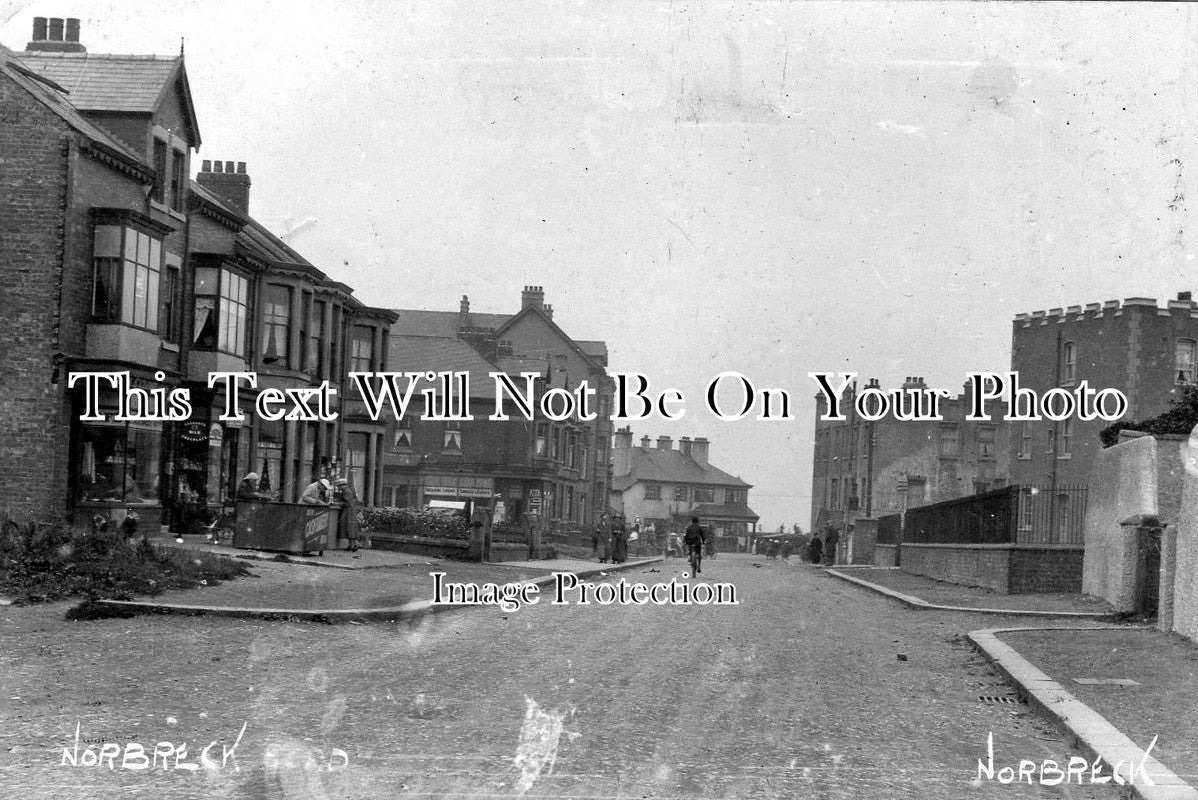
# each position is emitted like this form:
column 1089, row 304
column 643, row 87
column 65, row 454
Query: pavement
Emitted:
column 363, row 585
column 1122, row 693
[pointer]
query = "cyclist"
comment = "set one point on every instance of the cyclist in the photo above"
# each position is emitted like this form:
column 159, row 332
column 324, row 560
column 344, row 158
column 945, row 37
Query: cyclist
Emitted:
column 694, row 544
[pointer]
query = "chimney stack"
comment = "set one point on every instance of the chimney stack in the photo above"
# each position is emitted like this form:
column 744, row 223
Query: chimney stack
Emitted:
column 548, row 309
column 532, row 297
column 684, row 446
column 55, row 35
column 1184, row 296
column 621, row 451
column 699, row 450
column 645, row 440
column 665, row 443
column 227, row 182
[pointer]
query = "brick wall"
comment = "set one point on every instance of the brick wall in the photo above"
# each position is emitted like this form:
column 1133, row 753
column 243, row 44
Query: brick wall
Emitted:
column 1045, row 569
column 33, row 429
column 1006, row 568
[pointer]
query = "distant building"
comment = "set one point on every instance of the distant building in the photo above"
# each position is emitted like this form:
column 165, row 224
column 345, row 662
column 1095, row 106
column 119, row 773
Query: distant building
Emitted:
column 872, row 469
column 554, row 471
column 666, row 487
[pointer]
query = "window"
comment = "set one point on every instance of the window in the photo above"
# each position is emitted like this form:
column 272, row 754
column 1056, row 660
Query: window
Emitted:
column 118, row 461
column 557, row 443
column 652, row 491
column 1068, row 363
column 168, row 315
column 986, row 442
column 158, row 194
column 541, row 442
column 1025, row 440
column 178, row 179
column 127, row 276
column 1065, row 446
column 681, row 494
column 221, row 310
column 834, row 493
column 356, row 458
column 704, row 495
column 276, row 326
column 1185, row 360
column 316, row 340
column 735, row 496
column 361, row 348
column 305, row 319
column 1026, row 508
column 947, row 440
column 403, row 434
column 453, row 437
column 335, row 340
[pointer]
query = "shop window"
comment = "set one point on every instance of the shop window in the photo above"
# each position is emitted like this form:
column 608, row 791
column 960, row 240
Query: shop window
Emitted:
column 361, row 349
column 276, row 326
column 453, row 437
column 221, row 310
column 119, row 461
column 356, row 457
column 127, row 276
column 652, row 491
column 270, row 454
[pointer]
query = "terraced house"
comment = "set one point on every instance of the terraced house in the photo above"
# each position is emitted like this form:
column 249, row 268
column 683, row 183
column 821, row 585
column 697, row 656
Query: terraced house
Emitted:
column 116, row 261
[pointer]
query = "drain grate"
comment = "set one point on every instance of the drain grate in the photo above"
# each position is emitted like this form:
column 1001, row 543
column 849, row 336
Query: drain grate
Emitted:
column 995, row 699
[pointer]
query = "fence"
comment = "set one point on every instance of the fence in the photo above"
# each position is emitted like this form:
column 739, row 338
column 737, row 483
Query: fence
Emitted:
column 986, row 518
column 1013, row 514
column 1052, row 516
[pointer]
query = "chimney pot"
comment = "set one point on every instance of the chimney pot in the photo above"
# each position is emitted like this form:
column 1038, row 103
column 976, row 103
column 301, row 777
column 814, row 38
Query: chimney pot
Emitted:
column 228, row 166
column 241, row 167
column 207, row 165
column 1184, row 296
column 40, row 29
column 55, row 29
column 665, row 443
column 72, row 34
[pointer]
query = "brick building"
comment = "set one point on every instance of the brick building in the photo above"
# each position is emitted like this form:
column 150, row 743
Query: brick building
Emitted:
column 872, row 469
column 556, row 471
column 665, row 487
column 117, row 261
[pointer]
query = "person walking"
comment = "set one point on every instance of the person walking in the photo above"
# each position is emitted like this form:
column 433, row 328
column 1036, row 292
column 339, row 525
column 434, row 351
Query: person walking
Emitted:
column 786, row 550
column 815, row 551
column 693, row 540
column 831, row 539
column 619, row 541
column 347, row 521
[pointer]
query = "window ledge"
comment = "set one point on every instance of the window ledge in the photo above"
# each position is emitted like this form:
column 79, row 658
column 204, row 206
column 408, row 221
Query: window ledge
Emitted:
column 1024, row 458
column 1064, row 456
column 170, row 347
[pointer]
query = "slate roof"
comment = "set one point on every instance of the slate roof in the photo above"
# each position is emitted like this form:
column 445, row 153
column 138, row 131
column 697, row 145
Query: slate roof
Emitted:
column 671, row 466
column 441, row 324
column 416, row 353
column 13, row 65
column 101, row 82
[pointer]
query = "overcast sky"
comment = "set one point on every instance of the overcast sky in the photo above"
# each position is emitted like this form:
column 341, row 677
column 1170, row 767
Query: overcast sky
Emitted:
column 773, row 188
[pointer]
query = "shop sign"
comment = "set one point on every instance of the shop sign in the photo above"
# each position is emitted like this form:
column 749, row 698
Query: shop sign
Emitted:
column 195, row 432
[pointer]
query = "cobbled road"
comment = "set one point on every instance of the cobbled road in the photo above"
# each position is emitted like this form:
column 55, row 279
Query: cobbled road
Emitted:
column 798, row 692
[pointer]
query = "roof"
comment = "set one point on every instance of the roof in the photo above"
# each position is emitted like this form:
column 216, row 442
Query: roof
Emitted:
column 671, row 466
column 595, row 349
column 441, row 324
column 12, row 64
column 709, row 510
column 421, row 353
column 128, row 84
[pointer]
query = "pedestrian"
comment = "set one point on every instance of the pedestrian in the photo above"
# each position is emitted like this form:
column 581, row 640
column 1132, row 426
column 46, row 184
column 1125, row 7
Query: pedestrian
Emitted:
column 619, row 541
column 772, row 552
column 815, row 551
column 347, row 522
column 693, row 539
column 316, row 493
column 786, row 550
column 831, row 539
column 248, row 488
column 603, row 539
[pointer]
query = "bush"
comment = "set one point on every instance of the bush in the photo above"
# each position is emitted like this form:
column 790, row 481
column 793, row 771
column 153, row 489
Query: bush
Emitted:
column 1180, row 418
column 409, row 522
column 51, row 562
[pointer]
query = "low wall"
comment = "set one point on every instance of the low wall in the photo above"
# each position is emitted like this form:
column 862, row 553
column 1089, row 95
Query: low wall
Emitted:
column 1185, row 561
column 1005, row 568
column 885, row 555
column 865, row 536
column 450, row 549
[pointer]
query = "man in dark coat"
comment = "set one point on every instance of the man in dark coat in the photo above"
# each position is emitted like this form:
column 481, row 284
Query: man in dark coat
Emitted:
column 815, row 551
column 619, row 541
column 693, row 539
column 347, row 520
column 830, row 541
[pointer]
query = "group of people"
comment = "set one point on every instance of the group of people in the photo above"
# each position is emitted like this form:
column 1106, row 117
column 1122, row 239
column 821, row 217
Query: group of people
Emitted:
column 320, row 492
column 820, row 550
column 609, row 539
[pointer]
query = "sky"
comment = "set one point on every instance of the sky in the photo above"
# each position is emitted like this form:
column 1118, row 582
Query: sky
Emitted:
column 768, row 188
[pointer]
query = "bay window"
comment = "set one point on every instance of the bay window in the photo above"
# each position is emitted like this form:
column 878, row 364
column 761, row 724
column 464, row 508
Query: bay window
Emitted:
column 276, row 326
column 361, row 348
column 221, row 310
column 127, row 276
